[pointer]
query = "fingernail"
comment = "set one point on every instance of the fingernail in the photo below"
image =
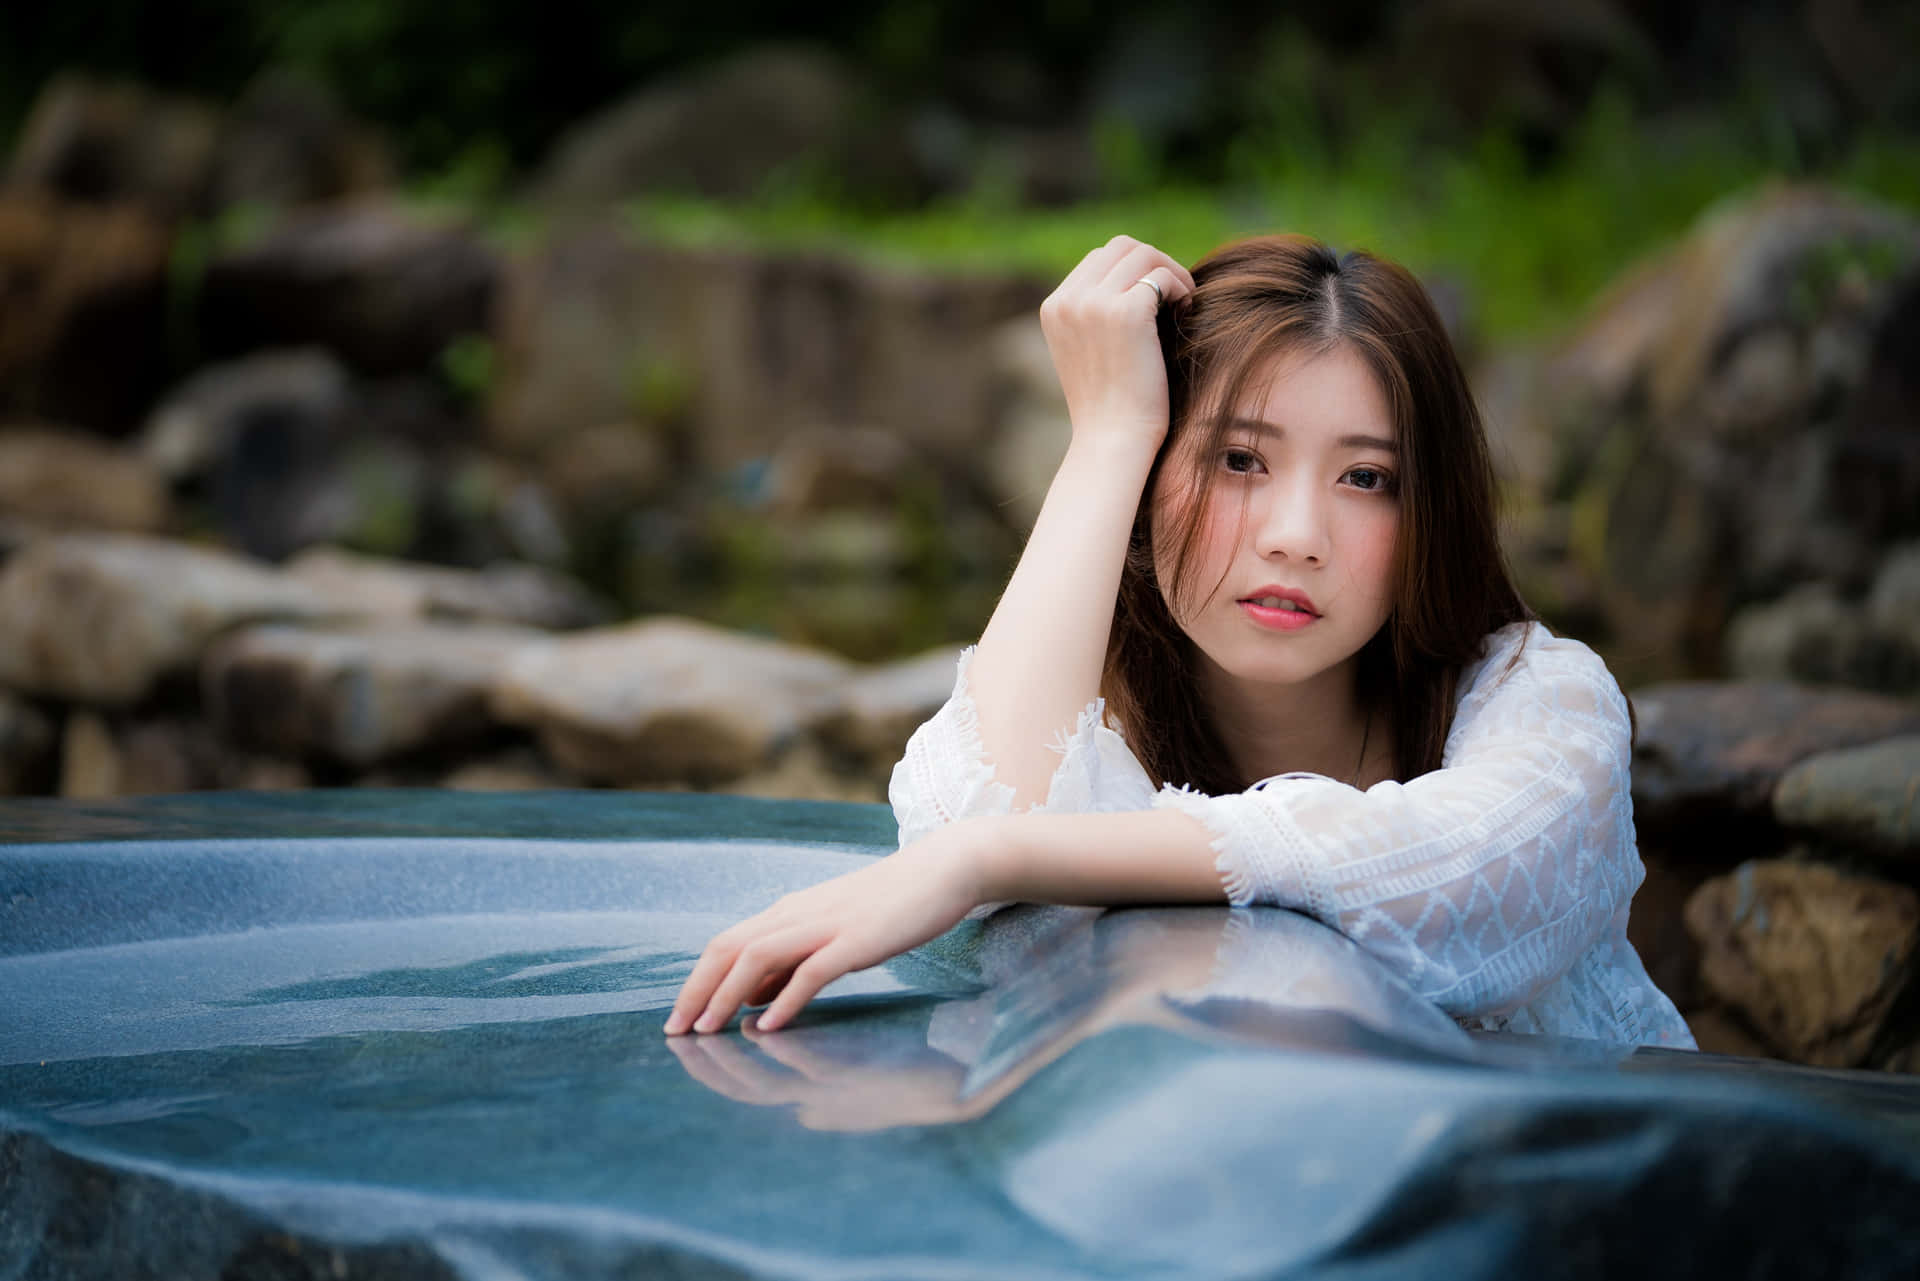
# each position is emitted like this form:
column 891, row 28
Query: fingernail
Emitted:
column 706, row 1024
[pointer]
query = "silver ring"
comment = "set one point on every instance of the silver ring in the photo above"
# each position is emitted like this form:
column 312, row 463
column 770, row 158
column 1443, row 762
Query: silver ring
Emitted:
column 1159, row 299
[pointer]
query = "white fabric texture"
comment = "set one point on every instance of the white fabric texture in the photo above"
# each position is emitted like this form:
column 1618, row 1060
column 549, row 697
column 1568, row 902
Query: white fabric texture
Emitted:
column 1496, row 886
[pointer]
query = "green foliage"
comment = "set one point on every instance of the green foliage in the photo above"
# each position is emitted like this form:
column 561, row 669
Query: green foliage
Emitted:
column 470, row 368
column 1534, row 244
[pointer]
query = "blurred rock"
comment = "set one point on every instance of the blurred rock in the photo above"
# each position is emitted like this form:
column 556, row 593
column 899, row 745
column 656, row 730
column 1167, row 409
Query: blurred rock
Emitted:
column 604, row 472
column 289, row 403
column 1811, row 956
column 1717, row 1030
column 1875, row 467
column 89, row 760
column 1034, row 428
column 27, row 742
column 1703, row 408
column 515, row 770
column 730, row 130
column 380, row 287
column 66, row 480
column 356, row 695
column 1710, row 752
column 1811, row 635
column 504, row 593
column 107, row 143
column 110, row 756
column 882, row 706
column 803, row 772
column 100, row 618
column 727, row 352
column 82, row 311
column 594, row 327
column 287, row 141
column 666, row 699
column 1867, row 796
column 1894, row 602
column 821, row 469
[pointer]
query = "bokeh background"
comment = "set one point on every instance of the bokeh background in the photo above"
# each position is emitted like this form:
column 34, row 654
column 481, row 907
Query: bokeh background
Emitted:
column 588, row 394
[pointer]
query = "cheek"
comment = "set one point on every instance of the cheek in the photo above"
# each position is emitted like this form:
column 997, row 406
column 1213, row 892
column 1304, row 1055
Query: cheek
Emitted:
column 1216, row 541
column 1370, row 546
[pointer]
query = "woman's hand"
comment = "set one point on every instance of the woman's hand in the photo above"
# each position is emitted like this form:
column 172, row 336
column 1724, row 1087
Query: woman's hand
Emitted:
column 789, row 952
column 1100, row 329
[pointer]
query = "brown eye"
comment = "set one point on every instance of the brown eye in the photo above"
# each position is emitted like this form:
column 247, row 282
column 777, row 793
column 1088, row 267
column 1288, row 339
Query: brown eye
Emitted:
column 1240, row 461
column 1371, row 479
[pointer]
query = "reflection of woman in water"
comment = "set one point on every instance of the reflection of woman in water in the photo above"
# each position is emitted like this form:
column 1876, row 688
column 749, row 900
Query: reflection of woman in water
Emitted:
column 1262, row 647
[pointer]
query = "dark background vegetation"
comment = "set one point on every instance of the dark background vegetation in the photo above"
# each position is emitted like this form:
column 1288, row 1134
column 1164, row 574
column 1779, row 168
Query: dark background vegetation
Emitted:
column 445, row 79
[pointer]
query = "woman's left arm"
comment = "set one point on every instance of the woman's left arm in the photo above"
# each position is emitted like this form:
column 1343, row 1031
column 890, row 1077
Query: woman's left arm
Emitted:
column 789, row 952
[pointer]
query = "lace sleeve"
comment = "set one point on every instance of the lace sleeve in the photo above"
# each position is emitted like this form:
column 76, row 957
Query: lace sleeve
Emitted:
column 945, row 775
column 1479, row 883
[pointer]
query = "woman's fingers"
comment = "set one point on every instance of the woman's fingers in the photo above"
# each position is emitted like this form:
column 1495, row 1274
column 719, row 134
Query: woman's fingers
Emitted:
column 1096, row 266
column 1144, row 260
column 812, row 974
column 707, row 972
column 1169, row 286
column 770, row 954
column 769, row 987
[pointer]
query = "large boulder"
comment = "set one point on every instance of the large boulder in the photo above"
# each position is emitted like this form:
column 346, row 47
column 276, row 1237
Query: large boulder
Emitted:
column 1704, row 406
column 68, row 480
column 528, row 595
column 1708, row 754
column 666, row 699
column 111, row 143
column 1814, row 635
column 356, row 695
column 730, row 352
column 83, row 331
column 1867, row 796
column 385, row 290
column 1813, row 957
column 102, row 618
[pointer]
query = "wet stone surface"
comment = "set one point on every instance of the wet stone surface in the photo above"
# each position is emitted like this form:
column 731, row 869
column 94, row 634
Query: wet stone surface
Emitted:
column 418, row 1034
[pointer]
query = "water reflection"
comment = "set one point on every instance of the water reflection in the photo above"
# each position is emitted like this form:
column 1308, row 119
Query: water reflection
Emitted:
column 1058, row 976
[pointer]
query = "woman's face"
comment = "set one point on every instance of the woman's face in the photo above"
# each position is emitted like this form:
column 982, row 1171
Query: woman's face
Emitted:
column 1291, row 574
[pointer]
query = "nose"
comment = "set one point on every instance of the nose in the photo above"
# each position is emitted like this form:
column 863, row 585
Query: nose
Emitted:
column 1291, row 525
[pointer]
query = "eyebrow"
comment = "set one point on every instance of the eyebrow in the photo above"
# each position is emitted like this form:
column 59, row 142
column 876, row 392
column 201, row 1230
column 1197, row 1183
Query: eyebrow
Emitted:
column 1349, row 442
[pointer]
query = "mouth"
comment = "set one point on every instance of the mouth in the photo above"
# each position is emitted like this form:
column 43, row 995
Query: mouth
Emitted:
column 1279, row 609
column 1284, row 599
column 1281, row 603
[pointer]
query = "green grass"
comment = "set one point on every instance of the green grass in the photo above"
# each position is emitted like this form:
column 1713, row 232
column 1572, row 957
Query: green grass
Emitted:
column 1531, row 247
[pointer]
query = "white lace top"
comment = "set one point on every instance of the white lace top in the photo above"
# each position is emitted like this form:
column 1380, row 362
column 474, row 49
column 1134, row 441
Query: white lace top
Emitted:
column 1497, row 886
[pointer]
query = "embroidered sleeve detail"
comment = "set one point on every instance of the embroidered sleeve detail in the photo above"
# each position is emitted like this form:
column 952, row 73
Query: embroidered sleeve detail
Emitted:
column 1483, row 882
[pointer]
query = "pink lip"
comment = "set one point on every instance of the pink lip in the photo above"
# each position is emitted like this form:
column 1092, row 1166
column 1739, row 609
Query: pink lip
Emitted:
column 1283, row 620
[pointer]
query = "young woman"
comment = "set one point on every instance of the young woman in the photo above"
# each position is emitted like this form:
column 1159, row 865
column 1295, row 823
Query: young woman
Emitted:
column 1262, row 647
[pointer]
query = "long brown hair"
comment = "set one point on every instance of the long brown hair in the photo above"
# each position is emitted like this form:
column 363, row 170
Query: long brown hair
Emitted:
column 1255, row 301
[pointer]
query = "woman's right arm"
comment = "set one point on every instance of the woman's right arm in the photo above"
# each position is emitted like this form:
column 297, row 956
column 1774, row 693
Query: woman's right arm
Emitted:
column 1038, row 663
